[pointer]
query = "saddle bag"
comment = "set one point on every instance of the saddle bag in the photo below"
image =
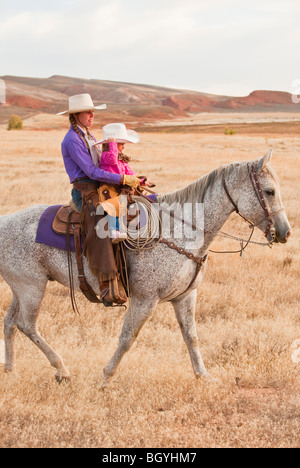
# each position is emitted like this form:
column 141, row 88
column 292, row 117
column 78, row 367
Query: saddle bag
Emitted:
column 64, row 217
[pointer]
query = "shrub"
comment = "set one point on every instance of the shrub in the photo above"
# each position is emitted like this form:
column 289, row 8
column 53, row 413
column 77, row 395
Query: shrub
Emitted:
column 229, row 131
column 15, row 123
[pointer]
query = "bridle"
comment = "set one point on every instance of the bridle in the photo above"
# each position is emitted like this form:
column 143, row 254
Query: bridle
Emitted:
column 259, row 193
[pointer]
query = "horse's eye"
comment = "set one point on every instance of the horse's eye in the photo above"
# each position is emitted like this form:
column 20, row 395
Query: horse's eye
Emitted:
column 270, row 193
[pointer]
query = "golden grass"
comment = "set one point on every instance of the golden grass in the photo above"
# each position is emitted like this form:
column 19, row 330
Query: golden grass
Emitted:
column 247, row 319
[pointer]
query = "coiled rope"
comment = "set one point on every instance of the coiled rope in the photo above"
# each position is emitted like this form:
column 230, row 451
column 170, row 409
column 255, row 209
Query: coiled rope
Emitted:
column 143, row 232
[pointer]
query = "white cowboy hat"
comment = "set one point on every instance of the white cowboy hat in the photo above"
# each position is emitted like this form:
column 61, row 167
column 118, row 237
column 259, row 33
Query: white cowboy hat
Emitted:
column 119, row 133
column 81, row 103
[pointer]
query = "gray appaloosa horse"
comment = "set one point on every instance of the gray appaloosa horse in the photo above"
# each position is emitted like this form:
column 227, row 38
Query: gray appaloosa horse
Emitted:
column 158, row 275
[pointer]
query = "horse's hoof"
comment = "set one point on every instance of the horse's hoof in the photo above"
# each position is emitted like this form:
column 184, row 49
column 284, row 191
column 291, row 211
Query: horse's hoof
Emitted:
column 105, row 384
column 62, row 378
column 206, row 377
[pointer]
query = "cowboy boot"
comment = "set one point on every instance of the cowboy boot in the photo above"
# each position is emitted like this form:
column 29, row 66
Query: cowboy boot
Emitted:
column 112, row 291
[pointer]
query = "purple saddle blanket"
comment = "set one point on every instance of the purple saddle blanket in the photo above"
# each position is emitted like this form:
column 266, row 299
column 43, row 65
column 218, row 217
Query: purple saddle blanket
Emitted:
column 45, row 234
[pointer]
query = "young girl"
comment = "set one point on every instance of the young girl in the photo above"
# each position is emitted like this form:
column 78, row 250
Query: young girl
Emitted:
column 113, row 160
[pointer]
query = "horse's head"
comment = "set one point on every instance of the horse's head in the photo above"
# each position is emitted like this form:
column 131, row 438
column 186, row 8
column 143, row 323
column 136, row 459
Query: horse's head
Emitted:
column 260, row 200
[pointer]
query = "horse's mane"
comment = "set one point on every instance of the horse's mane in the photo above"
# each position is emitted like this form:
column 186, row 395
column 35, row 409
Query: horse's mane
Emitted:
column 196, row 190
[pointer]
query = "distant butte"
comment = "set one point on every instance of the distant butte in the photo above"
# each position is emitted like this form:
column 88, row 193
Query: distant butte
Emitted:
column 137, row 103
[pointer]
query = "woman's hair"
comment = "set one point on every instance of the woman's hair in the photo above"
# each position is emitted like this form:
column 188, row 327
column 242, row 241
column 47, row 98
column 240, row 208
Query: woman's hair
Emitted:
column 74, row 126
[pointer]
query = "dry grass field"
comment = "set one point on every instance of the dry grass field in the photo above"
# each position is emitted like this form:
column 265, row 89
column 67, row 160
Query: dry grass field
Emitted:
column 247, row 319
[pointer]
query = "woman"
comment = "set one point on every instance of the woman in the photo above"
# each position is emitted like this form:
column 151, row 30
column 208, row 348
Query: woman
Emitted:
column 81, row 157
column 81, row 160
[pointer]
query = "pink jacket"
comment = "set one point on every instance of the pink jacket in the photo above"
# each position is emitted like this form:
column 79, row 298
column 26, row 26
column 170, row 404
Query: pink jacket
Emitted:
column 109, row 161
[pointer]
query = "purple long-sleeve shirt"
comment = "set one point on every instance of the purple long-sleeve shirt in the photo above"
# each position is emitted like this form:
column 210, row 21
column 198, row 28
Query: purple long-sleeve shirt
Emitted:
column 78, row 162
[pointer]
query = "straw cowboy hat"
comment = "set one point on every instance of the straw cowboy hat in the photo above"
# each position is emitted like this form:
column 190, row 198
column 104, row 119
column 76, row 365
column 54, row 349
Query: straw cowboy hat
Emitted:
column 119, row 133
column 81, row 103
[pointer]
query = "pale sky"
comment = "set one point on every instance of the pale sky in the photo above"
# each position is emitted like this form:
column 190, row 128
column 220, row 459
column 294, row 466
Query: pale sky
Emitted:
column 220, row 46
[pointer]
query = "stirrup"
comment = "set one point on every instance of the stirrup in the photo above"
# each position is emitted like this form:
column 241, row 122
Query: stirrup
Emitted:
column 107, row 302
column 110, row 292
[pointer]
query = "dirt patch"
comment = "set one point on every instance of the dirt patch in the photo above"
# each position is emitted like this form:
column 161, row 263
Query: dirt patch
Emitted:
column 268, row 128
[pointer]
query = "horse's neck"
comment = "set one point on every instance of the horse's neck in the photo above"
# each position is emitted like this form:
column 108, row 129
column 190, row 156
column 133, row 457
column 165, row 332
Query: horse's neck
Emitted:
column 217, row 209
column 208, row 198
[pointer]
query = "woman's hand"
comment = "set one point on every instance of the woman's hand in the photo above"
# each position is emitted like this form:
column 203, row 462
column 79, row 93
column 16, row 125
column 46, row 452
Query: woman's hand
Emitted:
column 131, row 180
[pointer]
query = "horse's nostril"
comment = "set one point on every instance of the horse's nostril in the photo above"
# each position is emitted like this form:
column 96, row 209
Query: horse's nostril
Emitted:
column 288, row 234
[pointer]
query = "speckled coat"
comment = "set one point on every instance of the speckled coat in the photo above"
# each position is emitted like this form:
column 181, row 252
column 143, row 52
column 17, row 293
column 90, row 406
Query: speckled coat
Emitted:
column 157, row 275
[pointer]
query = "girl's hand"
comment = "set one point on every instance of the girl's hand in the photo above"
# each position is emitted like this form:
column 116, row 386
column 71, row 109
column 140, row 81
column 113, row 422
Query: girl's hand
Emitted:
column 144, row 181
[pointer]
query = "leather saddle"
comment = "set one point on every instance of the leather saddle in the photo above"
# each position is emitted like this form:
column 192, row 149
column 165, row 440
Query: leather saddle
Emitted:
column 66, row 219
column 69, row 223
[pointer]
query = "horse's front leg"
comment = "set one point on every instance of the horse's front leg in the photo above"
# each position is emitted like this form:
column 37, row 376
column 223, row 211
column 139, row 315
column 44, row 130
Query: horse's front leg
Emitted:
column 185, row 313
column 139, row 311
column 9, row 333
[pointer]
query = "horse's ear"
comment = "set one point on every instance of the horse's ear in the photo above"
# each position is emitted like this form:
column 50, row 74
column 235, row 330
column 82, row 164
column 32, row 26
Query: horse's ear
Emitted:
column 262, row 162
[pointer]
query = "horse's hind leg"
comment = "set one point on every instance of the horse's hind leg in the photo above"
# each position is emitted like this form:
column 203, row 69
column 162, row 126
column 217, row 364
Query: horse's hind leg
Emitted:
column 185, row 313
column 26, row 322
column 9, row 333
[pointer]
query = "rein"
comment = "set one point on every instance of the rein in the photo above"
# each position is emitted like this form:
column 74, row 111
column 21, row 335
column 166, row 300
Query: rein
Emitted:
column 244, row 243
